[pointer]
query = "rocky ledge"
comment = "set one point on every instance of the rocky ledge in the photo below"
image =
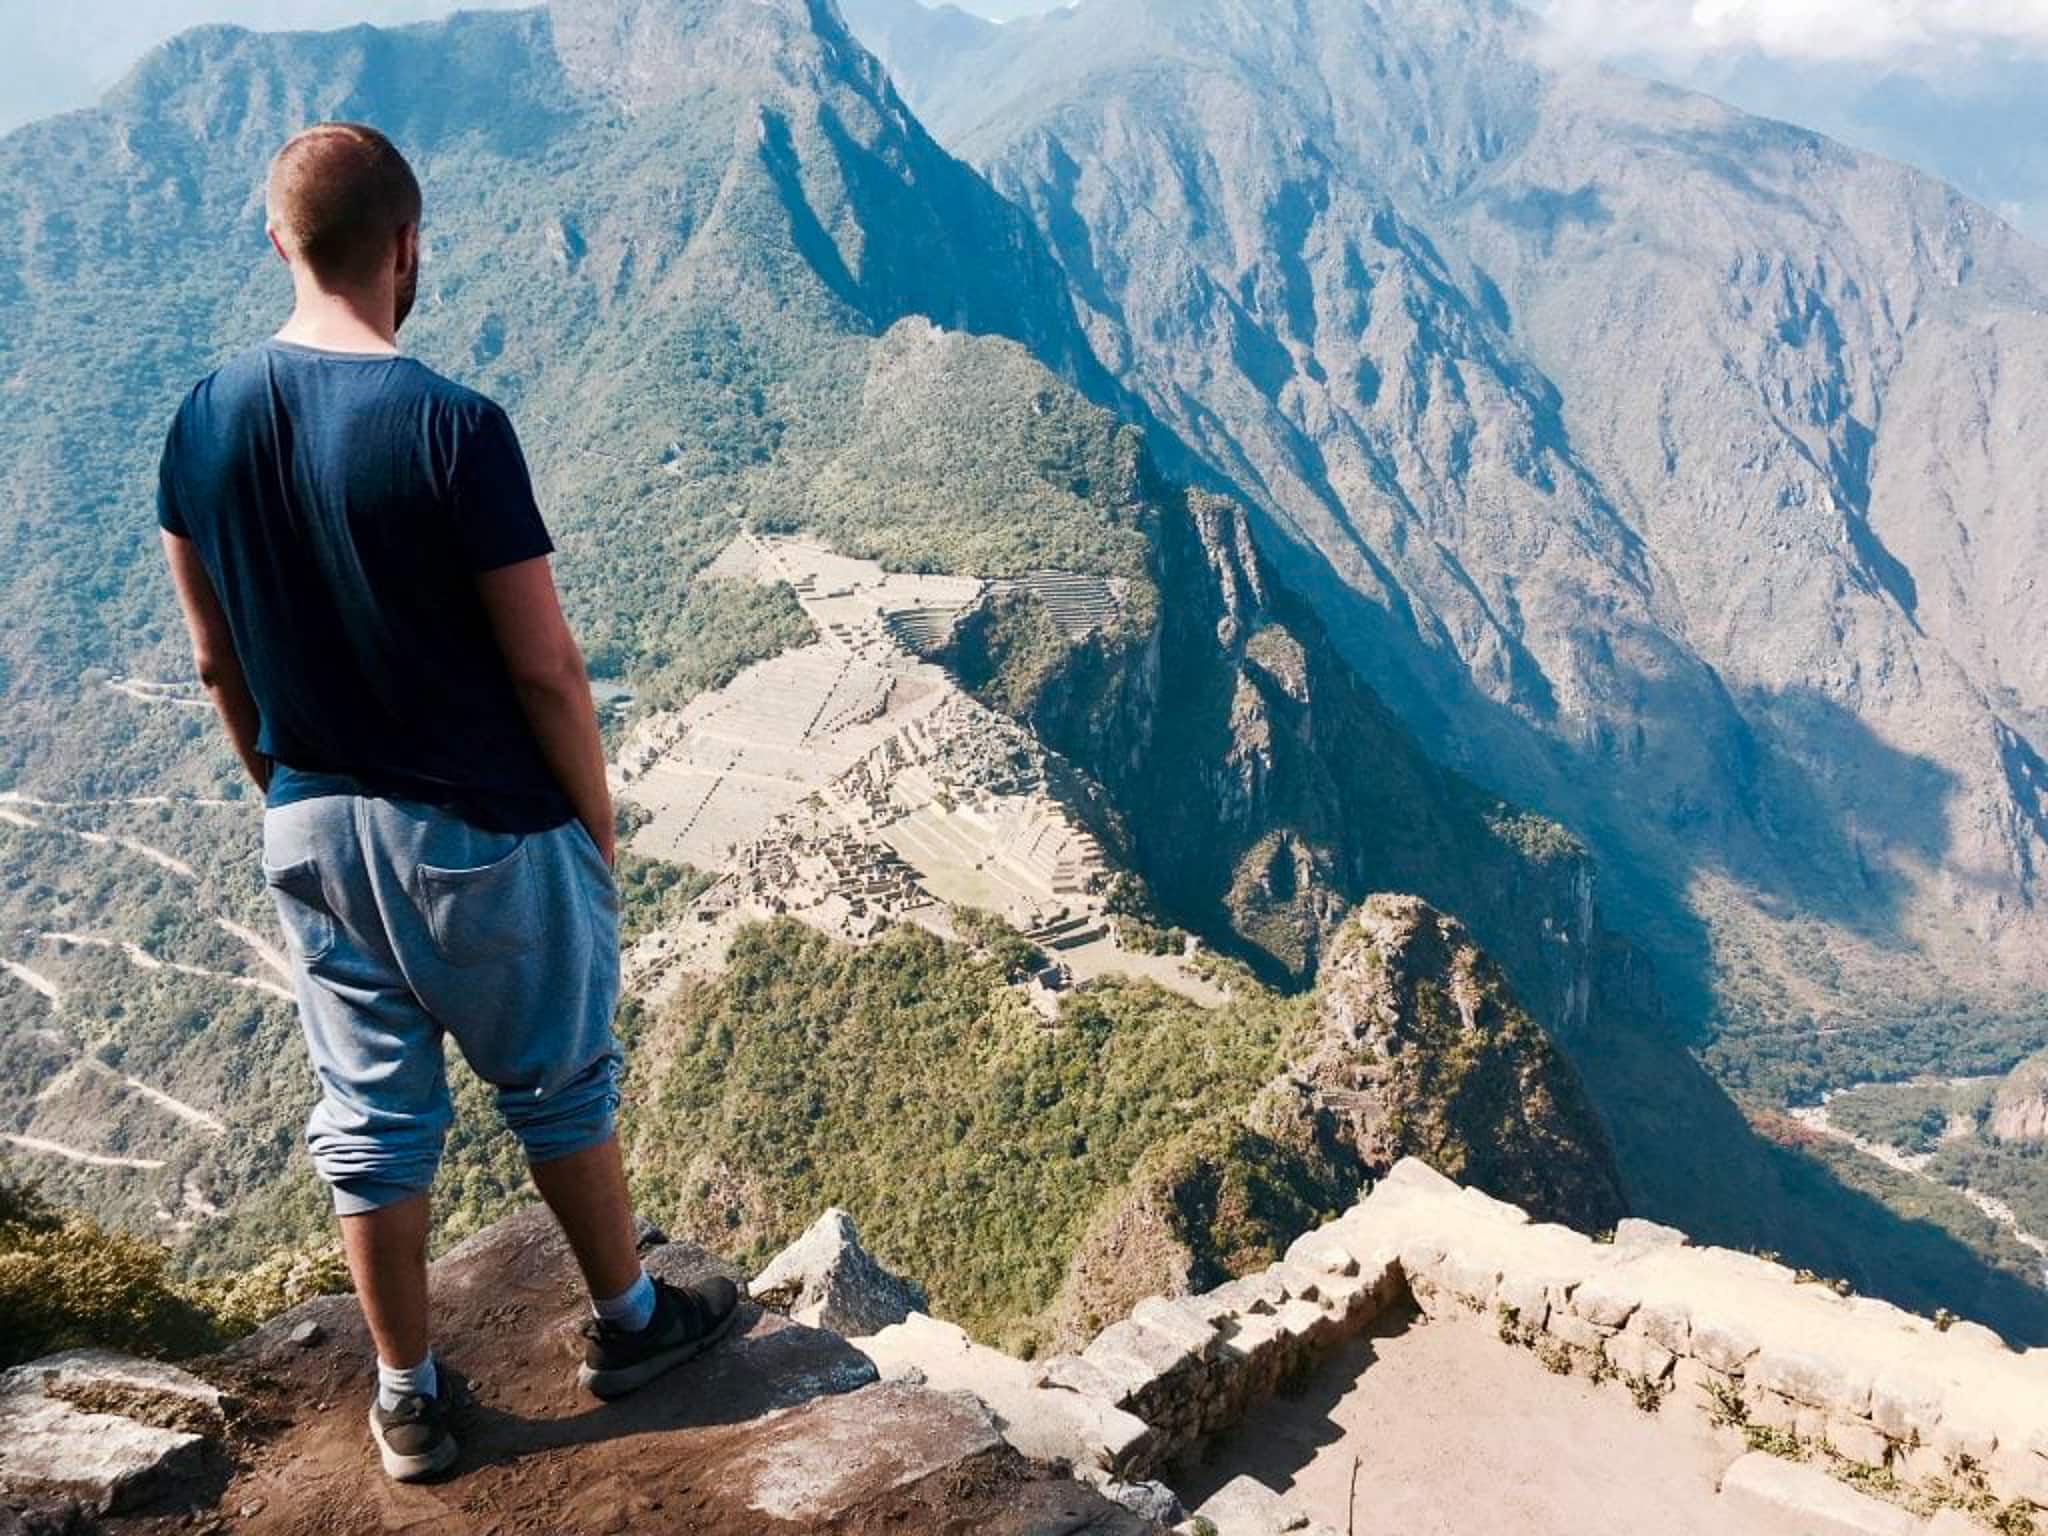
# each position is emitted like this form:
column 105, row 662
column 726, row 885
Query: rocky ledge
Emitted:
column 784, row 1428
column 1839, row 1414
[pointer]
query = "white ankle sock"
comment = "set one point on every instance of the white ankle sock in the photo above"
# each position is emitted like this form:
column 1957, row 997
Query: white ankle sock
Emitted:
column 633, row 1310
column 421, row 1380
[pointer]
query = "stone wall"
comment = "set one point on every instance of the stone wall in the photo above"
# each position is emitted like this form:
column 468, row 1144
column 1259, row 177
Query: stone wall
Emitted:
column 1947, row 1415
column 1895, row 1401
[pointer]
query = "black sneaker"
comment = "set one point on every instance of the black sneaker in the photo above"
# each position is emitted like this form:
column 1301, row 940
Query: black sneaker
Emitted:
column 414, row 1439
column 686, row 1323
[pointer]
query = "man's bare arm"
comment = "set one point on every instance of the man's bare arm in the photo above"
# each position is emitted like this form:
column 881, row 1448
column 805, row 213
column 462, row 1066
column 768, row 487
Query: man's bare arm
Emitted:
column 547, row 671
column 213, row 653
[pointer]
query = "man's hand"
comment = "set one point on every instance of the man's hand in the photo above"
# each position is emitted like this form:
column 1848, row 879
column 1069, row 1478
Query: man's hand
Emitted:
column 213, row 653
column 546, row 669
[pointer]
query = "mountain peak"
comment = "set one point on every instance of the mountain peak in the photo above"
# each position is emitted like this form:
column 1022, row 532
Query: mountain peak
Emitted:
column 646, row 52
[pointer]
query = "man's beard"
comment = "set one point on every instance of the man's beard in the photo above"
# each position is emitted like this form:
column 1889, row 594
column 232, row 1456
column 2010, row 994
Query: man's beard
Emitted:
column 408, row 294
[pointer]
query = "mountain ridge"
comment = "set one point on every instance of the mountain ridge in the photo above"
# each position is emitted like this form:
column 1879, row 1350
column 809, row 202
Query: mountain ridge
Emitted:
column 1421, row 356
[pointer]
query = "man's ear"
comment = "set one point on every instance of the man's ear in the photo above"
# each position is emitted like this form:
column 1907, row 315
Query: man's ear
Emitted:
column 277, row 244
column 408, row 249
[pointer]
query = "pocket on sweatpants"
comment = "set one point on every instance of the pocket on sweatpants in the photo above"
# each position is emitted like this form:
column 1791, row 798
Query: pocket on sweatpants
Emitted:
column 302, row 908
column 486, row 913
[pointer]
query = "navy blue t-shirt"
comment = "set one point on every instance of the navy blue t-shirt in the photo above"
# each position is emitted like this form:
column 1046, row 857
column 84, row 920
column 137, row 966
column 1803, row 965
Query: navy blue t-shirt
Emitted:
column 343, row 505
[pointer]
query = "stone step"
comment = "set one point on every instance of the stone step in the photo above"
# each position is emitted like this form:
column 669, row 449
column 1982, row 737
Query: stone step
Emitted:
column 1794, row 1496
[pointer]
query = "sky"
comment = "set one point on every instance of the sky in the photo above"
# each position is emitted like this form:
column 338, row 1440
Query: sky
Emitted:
column 1958, row 87
column 1940, row 34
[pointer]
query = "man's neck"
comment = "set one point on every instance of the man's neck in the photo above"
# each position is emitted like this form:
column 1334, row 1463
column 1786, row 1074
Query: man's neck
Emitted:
column 336, row 322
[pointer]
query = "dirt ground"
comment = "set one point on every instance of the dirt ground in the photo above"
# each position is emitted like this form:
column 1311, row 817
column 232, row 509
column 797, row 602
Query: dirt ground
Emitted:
column 1457, row 1435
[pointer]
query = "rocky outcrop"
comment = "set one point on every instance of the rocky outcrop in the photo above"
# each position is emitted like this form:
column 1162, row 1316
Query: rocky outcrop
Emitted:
column 1043, row 1422
column 1133, row 1247
column 1527, row 379
column 104, row 1430
column 1420, row 1050
column 1264, row 787
column 825, row 1279
column 2019, row 1110
column 1426, row 1053
column 1246, row 1507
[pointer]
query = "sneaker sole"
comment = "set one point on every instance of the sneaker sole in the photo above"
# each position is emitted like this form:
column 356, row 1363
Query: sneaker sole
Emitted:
column 410, row 1469
column 630, row 1378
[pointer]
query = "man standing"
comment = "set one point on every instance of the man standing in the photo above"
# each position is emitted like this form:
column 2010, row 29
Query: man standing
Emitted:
column 364, row 575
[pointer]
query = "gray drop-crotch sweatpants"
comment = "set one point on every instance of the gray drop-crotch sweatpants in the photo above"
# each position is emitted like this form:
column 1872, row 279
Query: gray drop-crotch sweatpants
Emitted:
column 405, row 923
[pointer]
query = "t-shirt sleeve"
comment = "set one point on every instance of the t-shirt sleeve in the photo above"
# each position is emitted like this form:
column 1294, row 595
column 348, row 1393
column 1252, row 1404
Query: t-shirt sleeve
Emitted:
column 497, row 522
column 170, row 512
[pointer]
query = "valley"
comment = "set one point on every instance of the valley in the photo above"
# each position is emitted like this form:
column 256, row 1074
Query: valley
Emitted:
column 1616, row 435
column 1916, row 1164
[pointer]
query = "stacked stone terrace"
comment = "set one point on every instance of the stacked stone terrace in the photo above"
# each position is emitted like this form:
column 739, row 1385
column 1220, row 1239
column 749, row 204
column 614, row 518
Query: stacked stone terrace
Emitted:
column 1828, row 1390
column 853, row 785
column 1079, row 604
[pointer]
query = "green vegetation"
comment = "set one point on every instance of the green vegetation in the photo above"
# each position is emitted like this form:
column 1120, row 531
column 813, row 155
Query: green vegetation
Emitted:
column 654, row 892
column 1012, row 953
column 2015, row 1172
column 1536, row 838
column 967, row 458
column 813, row 1074
column 67, row 1282
column 1008, row 651
column 1775, row 1058
column 1929, row 1227
column 1237, row 1193
column 1913, row 1117
column 713, row 634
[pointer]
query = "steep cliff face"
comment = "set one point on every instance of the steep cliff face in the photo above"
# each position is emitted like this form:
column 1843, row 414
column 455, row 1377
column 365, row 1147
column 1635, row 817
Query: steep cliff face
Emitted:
column 1426, row 1053
column 1264, row 787
column 2019, row 1110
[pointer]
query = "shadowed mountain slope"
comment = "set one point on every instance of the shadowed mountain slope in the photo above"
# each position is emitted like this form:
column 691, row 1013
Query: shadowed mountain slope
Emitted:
column 1662, row 466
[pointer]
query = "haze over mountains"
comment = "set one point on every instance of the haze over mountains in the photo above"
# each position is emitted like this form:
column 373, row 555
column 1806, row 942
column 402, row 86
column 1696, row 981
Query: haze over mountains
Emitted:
column 1460, row 436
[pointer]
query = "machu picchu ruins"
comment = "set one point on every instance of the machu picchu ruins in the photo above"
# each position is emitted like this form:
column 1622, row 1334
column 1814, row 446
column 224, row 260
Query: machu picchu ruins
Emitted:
column 852, row 783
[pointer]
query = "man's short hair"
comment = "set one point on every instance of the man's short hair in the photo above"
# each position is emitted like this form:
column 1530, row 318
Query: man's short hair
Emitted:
column 338, row 195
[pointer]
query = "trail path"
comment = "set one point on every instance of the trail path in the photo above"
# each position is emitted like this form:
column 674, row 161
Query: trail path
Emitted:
column 171, row 862
column 35, row 980
column 144, row 691
column 267, row 952
column 135, row 845
column 137, row 955
column 73, row 1155
column 191, row 1114
column 34, row 802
